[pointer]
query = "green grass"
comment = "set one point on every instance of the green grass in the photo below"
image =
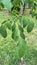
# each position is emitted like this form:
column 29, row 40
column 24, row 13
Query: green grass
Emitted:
column 7, row 45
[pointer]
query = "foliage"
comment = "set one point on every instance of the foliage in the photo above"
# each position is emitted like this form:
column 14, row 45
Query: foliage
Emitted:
column 3, row 31
column 15, row 5
column 17, row 28
column 16, row 24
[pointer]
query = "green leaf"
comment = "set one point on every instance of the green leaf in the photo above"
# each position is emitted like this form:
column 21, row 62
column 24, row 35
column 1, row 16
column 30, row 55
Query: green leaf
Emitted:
column 7, row 4
column 23, row 1
column 25, row 22
column 15, row 36
column 9, row 25
column 3, row 31
column 15, row 32
column 30, row 27
column 22, row 35
column 13, row 27
column 36, row 16
column 20, row 28
column 22, row 47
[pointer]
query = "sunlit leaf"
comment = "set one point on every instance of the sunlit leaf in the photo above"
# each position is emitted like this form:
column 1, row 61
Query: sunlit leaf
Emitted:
column 7, row 4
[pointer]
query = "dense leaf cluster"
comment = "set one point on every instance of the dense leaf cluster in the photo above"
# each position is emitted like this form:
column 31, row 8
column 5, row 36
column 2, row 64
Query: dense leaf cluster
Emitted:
column 17, row 26
column 11, row 53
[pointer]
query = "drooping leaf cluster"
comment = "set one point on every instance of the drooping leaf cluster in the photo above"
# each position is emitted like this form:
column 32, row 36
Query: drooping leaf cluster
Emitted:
column 18, row 46
column 17, row 26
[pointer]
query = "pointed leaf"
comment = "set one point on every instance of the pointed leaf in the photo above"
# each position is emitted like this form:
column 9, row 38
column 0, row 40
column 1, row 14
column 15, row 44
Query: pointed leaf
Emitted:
column 25, row 22
column 3, row 31
column 22, row 35
column 22, row 47
column 13, row 27
column 9, row 25
column 20, row 28
column 30, row 27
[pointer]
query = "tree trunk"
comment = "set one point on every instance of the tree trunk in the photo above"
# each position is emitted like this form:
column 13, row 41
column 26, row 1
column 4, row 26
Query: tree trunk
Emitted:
column 26, row 9
column 21, row 8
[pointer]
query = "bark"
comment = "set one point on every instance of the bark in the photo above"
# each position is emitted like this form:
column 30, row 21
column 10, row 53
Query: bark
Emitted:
column 21, row 8
column 26, row 9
